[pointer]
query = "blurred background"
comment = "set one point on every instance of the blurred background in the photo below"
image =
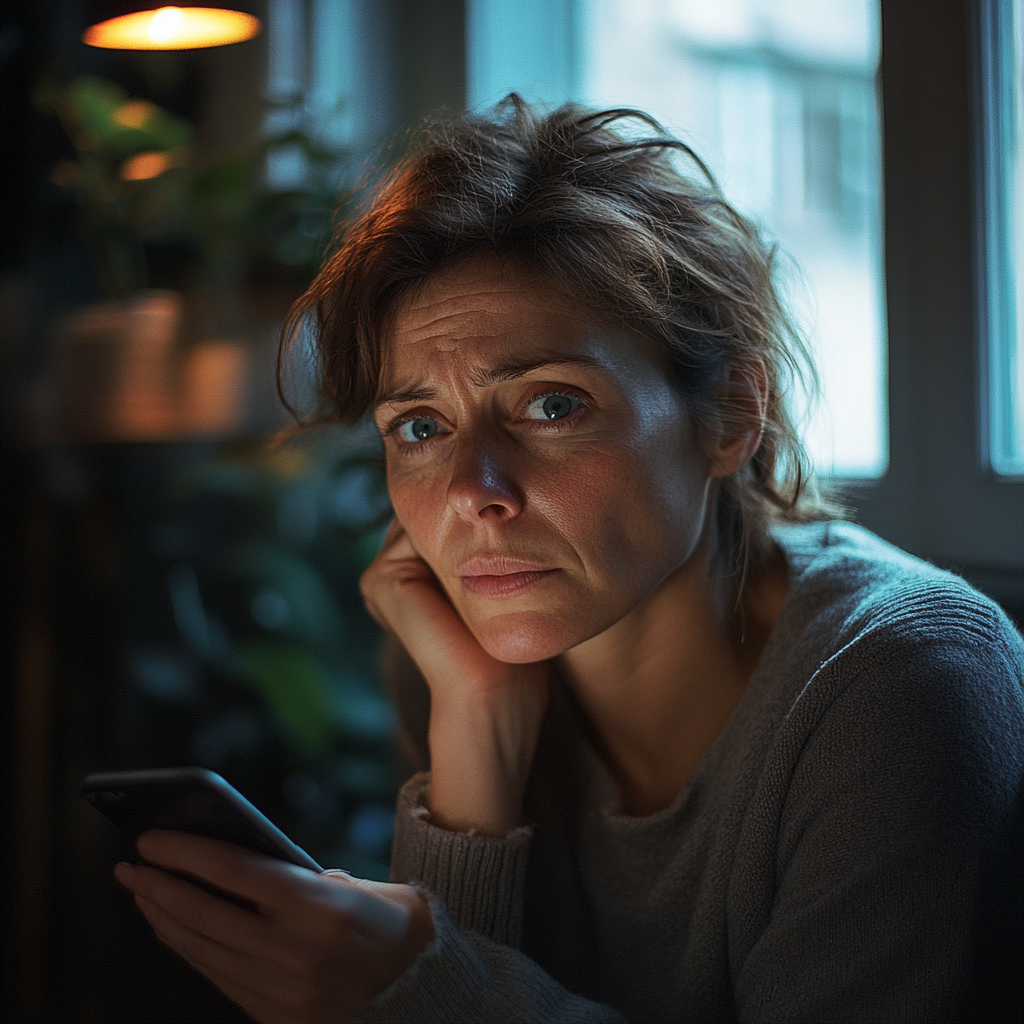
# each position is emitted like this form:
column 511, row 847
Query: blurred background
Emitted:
column 180, row 588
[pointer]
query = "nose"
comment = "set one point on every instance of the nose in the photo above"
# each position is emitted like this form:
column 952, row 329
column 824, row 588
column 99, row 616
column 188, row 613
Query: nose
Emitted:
column 482, row 483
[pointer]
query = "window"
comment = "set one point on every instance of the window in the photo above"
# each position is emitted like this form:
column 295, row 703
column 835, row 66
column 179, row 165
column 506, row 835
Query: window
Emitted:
column 1001, row 216
column 779, row 97
column 323, row 80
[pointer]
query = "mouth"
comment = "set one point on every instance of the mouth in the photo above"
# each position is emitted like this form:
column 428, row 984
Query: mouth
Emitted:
column 502, row 577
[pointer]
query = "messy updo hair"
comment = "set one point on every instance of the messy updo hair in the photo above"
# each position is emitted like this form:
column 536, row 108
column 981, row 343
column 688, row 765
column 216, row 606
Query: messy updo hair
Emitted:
column 596, row 203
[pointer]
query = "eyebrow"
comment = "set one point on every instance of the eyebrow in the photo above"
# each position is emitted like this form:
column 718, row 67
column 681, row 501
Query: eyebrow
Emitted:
column 501, row 374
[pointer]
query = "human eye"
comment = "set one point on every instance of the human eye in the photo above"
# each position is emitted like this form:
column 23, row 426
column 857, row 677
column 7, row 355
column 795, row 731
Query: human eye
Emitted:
column 417, row 429
column 553, row 406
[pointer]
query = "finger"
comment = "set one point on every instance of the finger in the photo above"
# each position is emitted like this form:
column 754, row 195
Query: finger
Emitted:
column 204, row 913
column 266, row 881
column 242, row 978
column 393, row 589
column 266, row 991
column 300, row 903
column 398, row 562
column 394, row 537
column 399, row 546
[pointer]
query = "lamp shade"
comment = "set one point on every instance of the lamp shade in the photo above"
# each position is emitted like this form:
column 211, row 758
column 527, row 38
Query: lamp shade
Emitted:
column 173, row 28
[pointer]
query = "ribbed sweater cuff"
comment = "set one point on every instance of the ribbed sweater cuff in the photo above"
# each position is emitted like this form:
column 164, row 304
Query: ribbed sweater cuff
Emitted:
column 447, row 982
column 480, row 880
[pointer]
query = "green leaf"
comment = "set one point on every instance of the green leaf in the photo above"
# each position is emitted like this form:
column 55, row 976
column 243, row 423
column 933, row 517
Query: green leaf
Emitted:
column 117, row 127
column 297, row 689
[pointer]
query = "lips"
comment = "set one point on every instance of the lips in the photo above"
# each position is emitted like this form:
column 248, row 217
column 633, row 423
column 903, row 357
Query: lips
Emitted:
column 502, row 577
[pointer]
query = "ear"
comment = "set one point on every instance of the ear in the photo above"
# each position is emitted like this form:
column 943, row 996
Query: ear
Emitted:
column 744, row 404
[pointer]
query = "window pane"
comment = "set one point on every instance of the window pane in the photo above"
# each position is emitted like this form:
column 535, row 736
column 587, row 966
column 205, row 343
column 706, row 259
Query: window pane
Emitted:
column 1002, row 38
column 319, row 82
column 779, row 98
column 526, row 42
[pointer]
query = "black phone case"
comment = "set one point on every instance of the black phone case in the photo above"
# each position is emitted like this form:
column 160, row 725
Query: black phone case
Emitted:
column 194, row 800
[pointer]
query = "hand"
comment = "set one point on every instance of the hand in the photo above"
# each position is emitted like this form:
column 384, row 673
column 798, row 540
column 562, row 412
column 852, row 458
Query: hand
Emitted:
column 316, row 949
column 485, row 715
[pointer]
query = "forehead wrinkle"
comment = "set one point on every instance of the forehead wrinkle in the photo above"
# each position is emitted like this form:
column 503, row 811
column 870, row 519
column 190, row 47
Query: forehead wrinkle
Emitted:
column 485, row 289
column 440, row 325
column 486, row 377
column 480, row 298
column 448, row 327
column 514, row 369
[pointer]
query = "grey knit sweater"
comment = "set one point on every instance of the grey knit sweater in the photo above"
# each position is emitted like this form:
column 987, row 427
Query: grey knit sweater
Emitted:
column 844, row 851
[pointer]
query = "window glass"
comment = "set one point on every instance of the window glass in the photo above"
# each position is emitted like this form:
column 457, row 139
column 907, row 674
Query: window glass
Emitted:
column 316, row 82
column 779, row 97
column 1002, row 218
column 286, row 86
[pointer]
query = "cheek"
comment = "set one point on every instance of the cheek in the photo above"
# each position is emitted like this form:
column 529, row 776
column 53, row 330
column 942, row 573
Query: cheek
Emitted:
column 666, row 479
column 632, row 511
column 619, row 514
column 417, row 507
column 625, row 524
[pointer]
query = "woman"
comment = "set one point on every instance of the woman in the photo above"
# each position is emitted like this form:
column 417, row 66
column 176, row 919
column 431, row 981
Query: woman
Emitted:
column 697, row 750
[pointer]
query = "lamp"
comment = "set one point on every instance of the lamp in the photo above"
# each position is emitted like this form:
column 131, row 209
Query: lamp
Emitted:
column 172, row 28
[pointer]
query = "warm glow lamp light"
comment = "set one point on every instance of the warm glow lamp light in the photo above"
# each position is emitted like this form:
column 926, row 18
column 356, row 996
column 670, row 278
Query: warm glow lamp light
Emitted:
column 173, row 28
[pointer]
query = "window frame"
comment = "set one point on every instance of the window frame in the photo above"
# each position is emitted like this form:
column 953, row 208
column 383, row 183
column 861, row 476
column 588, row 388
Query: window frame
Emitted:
column 937, row 499
column 993, row 47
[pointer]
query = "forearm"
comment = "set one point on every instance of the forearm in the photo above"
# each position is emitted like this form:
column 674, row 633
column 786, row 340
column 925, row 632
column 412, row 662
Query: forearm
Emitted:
column 482, row 744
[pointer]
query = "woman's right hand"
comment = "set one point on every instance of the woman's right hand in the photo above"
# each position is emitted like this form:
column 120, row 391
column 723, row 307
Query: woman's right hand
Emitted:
column 315, row 947
column 485, row 715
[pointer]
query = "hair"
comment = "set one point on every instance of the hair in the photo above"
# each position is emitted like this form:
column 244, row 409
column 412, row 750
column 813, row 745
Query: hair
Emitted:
column 595, row 203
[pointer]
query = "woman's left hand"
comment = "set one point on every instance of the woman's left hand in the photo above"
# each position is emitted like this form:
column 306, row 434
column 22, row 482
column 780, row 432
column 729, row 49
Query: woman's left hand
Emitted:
column 317, row 948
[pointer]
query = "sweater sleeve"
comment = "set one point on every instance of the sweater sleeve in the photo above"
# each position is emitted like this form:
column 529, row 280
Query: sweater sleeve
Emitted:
column 480, row 880
column 883, row 830
column 471, row 971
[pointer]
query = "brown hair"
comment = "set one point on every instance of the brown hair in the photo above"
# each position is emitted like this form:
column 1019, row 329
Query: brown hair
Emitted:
column 585, row 201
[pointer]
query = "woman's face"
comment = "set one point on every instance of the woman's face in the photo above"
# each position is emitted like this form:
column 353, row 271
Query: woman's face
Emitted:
column 537, row 457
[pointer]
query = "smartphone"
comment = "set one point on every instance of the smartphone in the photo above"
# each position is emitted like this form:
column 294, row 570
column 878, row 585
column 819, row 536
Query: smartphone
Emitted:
column 193, row 800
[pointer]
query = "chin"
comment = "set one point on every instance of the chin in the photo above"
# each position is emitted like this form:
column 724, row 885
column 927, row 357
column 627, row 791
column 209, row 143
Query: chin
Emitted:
column 519, row 638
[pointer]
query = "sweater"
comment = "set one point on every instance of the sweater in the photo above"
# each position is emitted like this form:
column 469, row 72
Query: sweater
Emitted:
column 845, row 850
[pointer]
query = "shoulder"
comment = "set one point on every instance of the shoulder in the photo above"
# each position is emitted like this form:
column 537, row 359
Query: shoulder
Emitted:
column 915, row 680
column 854, row 594
column 883, row 814
column 902, row 662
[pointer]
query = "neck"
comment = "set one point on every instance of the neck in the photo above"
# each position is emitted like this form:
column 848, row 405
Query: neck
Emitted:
column 659, row 686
